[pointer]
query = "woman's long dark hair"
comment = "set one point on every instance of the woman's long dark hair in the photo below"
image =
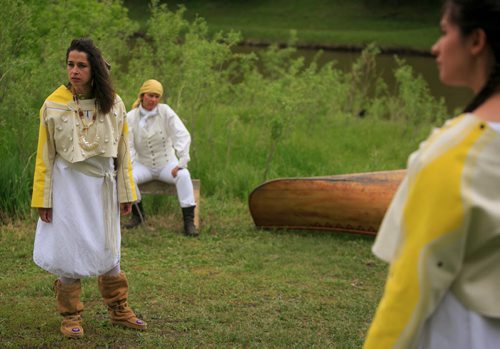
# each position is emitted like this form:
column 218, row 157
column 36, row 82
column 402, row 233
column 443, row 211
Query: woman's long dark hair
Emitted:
column 102, row 88
column 470, row 15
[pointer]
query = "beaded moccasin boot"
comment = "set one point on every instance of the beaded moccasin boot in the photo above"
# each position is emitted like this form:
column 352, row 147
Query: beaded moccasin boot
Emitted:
column 114, row 290
column 70, row 307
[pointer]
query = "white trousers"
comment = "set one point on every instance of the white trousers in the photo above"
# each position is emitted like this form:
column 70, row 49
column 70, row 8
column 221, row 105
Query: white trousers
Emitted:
column 182, row 181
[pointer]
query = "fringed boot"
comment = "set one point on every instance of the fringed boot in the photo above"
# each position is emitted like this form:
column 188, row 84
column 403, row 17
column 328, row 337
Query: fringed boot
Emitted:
column 69, row 306
column 188, row 217
column 114, row 290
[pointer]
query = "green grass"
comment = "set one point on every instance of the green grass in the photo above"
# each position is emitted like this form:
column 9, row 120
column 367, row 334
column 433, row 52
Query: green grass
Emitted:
column 326, row 22
column 234, row 287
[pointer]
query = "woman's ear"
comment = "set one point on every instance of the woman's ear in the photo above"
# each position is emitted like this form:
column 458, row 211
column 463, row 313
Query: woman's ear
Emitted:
column 478, row 41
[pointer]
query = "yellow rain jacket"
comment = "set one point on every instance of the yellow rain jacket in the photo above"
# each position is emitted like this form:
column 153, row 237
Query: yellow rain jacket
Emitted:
column 441, row 233
column 59, row 134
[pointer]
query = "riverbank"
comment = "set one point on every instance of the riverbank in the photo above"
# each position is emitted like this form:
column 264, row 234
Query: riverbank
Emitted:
column 400, row 51
column 328, row 25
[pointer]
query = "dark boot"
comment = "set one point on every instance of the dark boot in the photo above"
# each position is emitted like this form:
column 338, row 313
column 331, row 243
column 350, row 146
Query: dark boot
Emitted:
column 138, row 216
column 188, row 217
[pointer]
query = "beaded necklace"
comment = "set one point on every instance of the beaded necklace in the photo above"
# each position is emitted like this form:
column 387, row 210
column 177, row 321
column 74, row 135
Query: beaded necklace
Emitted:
column 85, row 144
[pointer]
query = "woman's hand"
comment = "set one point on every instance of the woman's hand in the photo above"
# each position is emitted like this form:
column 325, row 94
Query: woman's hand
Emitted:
column 125, row 208
column 175, row 170
column 45, row 214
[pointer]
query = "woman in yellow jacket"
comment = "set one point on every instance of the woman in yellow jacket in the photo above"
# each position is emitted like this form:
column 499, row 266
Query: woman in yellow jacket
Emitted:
column 441, row 234
column 83, row 173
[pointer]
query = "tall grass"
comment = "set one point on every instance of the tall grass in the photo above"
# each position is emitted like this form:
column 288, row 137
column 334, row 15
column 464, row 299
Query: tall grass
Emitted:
column 252, row 116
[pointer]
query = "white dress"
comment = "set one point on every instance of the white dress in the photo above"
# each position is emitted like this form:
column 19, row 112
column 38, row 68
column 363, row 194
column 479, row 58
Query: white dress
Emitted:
column 77, row 243
column 452, row 326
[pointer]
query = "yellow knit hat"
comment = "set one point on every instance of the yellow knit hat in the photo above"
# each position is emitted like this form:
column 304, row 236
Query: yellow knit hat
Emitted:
column 149, row 86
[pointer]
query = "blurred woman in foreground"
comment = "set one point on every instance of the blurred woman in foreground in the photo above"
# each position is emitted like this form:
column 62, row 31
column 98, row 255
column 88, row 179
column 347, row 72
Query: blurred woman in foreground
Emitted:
column 441, row 234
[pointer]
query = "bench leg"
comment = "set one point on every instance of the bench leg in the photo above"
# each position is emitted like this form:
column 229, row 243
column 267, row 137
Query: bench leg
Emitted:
column 197, row 208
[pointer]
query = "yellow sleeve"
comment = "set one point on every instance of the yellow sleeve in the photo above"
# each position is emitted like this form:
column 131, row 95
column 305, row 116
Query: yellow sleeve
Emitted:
column 42, row 183
column 126, row 185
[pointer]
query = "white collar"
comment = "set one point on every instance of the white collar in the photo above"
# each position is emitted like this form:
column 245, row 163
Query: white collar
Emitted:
column 147, row 113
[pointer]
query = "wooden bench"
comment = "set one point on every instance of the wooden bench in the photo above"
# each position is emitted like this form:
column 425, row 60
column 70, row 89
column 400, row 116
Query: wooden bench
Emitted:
column 155, row 187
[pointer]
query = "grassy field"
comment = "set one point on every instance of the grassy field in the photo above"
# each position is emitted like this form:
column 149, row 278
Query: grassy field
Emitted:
column 234, row 287
column 317, row 22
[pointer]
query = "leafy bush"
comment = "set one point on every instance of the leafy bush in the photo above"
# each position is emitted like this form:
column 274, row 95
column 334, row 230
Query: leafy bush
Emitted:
column 252, row 116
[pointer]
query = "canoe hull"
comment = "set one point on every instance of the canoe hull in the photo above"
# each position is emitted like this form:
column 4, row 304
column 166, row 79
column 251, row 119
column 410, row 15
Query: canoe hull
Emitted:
column 349, row 203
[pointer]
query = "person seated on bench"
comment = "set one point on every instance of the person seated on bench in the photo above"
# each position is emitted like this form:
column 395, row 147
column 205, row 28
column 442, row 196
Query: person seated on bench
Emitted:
column 159, row 149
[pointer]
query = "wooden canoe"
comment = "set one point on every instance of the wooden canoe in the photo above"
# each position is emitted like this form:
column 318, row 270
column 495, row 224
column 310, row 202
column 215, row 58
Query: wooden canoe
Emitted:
column 354, row 203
